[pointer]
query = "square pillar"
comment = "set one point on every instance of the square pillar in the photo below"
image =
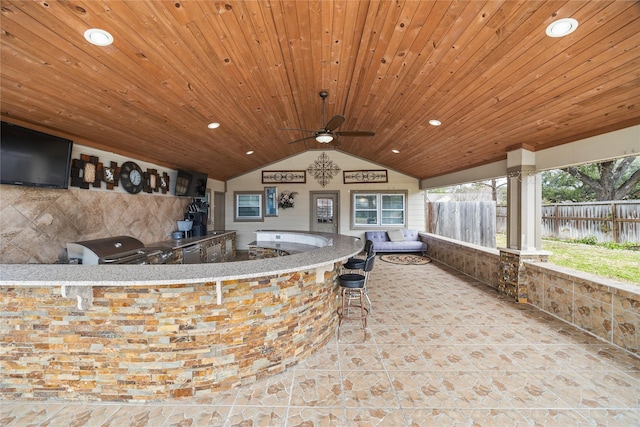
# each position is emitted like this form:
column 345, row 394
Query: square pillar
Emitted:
column 524, row 224
column 524, row 201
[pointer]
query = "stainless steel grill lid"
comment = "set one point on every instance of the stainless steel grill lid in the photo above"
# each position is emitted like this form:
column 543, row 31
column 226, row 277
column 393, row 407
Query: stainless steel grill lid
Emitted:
column 119, row 249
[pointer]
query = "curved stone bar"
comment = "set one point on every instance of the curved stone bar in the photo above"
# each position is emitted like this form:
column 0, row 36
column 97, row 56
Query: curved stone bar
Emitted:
column 162, row 331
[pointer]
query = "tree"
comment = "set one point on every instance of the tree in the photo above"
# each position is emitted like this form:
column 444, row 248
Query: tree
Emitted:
column 610, row 180
column 558, row 186
column 495, row 185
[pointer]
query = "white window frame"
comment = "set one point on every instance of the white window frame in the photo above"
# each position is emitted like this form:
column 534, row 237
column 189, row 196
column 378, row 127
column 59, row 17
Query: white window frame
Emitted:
column 260, row 205
column 379, row 208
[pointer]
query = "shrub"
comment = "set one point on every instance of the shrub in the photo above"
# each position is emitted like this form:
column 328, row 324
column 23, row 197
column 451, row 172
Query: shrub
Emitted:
column 588, row 240
column 629, row 246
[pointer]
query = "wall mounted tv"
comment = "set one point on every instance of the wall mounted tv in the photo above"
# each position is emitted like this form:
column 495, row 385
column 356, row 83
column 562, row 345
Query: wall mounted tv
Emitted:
column 192, row 184
column 32, row 158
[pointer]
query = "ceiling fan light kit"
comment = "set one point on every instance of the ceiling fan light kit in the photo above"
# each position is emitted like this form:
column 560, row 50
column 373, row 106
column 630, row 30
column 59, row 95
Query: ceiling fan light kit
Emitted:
column 324, row 138
column 326, row 134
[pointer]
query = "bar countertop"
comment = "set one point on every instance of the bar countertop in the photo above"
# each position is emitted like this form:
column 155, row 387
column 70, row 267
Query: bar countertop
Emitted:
column 341, row 248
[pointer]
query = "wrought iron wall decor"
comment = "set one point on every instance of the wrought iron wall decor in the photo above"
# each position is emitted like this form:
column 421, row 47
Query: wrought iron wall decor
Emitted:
column 284, row 177
column 365, row 177
column 323, row 169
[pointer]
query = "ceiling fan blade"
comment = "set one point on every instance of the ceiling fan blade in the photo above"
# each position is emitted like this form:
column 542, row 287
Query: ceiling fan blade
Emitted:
column 302, row 139
column 334, row 122
column 303, row 130
column 356, row 133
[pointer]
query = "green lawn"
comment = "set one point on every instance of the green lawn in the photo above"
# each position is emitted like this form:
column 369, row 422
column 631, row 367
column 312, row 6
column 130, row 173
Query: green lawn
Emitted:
column 618, row 264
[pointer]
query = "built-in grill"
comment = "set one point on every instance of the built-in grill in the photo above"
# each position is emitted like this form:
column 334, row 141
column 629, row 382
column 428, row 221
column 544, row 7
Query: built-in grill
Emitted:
column 113, row 250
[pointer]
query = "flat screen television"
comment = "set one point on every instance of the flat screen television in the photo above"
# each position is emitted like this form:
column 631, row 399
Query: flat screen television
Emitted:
column 192, row 184
column 34, row 159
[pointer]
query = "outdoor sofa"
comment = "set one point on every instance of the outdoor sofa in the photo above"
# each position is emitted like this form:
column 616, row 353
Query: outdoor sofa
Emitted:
column 397, row 240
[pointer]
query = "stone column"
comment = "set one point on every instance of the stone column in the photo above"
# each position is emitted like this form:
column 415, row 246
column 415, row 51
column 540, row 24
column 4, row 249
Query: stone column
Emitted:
column 511, row 274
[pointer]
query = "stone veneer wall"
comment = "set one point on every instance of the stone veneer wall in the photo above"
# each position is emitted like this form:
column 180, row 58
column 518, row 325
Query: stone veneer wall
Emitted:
column 259, row 252
column 511, row 278
column 36, row 224
column 475, row 261
column 152, row 343
column 605, row 308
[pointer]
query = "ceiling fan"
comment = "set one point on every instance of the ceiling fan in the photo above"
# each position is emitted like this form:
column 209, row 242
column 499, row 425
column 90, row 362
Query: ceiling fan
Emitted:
column 327, row 133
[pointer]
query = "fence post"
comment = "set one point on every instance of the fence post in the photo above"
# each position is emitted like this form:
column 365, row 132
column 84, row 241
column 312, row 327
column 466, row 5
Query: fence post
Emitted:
column 614, row 224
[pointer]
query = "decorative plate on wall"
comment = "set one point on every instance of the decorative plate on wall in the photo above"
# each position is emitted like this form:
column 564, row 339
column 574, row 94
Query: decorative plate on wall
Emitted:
column 111, row 175
column 151, row 180
column 86, row 171
column 164, row 182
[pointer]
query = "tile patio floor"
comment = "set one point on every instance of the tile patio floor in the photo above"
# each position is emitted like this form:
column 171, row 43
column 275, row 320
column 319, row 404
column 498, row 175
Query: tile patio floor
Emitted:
column 441, row 350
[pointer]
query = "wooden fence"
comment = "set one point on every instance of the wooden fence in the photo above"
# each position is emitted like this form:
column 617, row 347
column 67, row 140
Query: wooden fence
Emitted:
column 471, row 222
column 617, row 221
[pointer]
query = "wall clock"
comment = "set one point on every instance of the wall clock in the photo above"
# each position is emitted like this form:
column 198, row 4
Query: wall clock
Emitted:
column 131, row 177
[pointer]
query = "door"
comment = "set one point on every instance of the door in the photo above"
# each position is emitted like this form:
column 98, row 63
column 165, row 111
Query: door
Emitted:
column 218, row 211
column 191, row 254
column 324, row 212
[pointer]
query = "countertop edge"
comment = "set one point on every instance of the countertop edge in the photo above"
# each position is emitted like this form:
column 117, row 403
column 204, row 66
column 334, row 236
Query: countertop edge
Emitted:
column 38, row 275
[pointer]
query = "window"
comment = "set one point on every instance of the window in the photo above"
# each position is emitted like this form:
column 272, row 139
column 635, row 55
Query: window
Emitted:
column 324, row 210
column 248, row 206
column 366, row 209
column 378, row 209
column 392, row 211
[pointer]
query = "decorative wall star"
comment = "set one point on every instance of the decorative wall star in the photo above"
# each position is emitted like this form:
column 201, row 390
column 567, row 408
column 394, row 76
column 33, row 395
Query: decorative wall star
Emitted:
column 323, row 169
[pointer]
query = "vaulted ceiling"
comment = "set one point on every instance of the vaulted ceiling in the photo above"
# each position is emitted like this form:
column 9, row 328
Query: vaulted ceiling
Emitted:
column 485, row 69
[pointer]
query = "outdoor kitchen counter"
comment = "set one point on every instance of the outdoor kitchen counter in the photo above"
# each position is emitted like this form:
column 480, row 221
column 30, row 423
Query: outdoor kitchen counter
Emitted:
column 342, row 248
column 142, row 333
column 188, row 241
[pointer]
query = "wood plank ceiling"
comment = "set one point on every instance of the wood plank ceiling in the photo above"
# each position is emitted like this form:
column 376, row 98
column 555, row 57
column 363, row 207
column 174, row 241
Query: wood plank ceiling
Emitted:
column 485, row 69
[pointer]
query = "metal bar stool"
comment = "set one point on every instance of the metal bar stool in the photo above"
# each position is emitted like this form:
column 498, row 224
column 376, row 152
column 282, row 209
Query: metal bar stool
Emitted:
column 357, row 263
column 354, row 287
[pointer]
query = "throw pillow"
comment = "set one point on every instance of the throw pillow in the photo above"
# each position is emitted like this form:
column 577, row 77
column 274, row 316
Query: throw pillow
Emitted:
column 395, row 235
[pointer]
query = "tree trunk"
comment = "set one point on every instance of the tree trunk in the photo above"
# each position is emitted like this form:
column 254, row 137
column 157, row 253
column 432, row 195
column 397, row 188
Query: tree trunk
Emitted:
column 607, row 185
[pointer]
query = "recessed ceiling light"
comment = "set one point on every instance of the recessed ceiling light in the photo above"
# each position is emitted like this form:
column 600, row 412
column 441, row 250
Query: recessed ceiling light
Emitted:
column 250, row 152
column 395, row 151
column 562, row 27
column 435, row 122
column 213, row 125
column 98, row 37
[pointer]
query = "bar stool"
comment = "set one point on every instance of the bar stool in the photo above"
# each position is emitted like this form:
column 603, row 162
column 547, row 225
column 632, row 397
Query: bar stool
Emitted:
column 357, row 263
column 354, row 287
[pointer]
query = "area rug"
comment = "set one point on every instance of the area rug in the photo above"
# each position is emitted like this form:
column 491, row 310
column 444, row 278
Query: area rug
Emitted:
column 405, row 259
